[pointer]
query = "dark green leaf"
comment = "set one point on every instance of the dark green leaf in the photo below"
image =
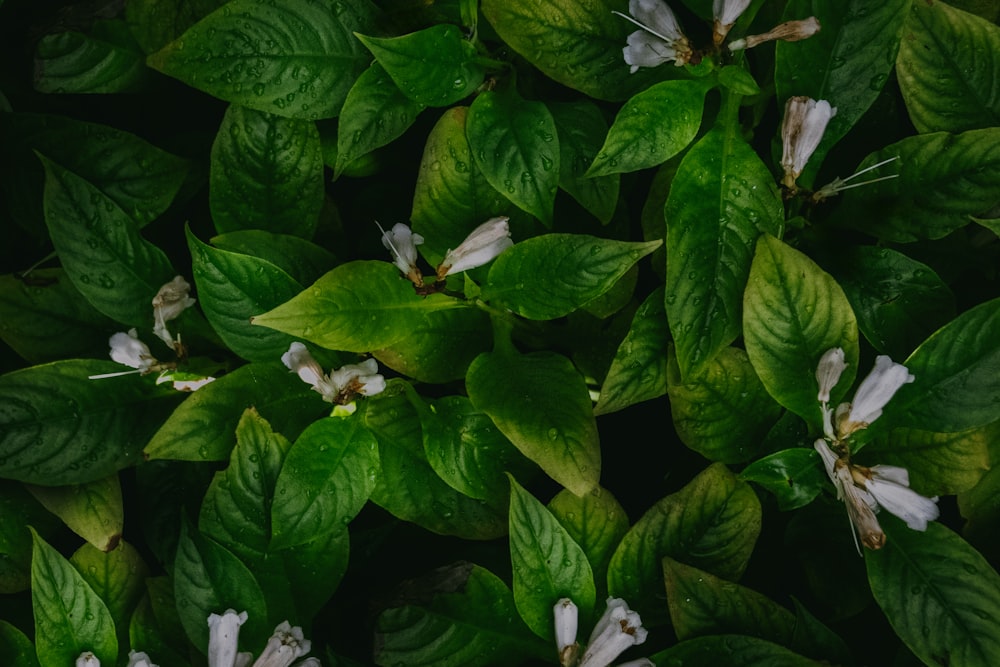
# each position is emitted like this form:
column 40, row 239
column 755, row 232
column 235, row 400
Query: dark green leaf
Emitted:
column 947, row 66
column 815, row 640
column 731, row 651
column 552, row 275
column 18, row 510
column 94, row 510
column 155, row 23
column 940, row 595
column 595, row 521
column 155, row 625
column 540, row 402
column 712, row 523
column 434, row 67
column 17, row 646
column 581, row 126
column 295, row 58
column 302, row 260
column 793, row 312
column 439, row 347
column 266, row 173
column 721, row 200
column 795, row 476
column 104, row 62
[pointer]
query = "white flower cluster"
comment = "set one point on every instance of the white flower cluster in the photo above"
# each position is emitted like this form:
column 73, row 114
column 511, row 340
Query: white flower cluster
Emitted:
column 617, row 630
column 340, row 386
column 866, row 490
column 284, row 647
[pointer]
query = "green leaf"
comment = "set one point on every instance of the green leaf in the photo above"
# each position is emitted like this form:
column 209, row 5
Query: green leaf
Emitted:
column 111, row 265
column 18, row 510
column 540, row 402
column 439, row 347
column 15, row 644
column 209, row 579
column 93, row 510
column 721, row 200
column 452, row 197
column 980, row 507
column 731, row 651
column 434, row 67
column 639, row 370
column 795, row 476
column 58, row 427
column 712, row 523
column 652, row 127
column 202, row 428
column 548, row 564
column 957, row 372
column 575, row 42
column 155, row 625
column 703, row 604
column 898, row 301
column 294, row 58
column 815, row 640
column 847, row 62
column 580, row 126
column 266, row 173
column 468, row 452
column 357, row 307
column 724, row 412
column 303, row 260
column 374, row 114
column 70, row 617
column 597, row 522
column 943, row 179
column 326, row 479
column 515, row 144
column 947, row 68
column 231, row 289
column 107, row 61
column 45, row 317
column 469, row 620
column 793, row 312
column 738, row 80
column 552, row 275
column 155, row 23
column 409, row 488
column 940, row 595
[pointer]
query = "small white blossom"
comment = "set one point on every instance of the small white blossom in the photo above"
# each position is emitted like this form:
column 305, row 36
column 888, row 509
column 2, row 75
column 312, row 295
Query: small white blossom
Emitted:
column 172, row 300
column 831, row 366
column 139, row 659
column 801, row 131
column 890, row 487
column 874, row 392
column 660, row 39
column 362, row 378
column 726, row 12
column 402, row 243
column 790, row 31
column 481, row 246
column 617, row 630
column 87, row 659
column 566, row 614
column 283, row 647
column 223, row 637
column 127, row 349
column 341, row 385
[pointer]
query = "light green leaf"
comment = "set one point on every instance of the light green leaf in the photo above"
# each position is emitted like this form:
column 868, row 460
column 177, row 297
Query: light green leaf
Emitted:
column 738, row 80
column 374, row 114
column 515, row 144
column 357, row 307
column 552, row 275
column 793, row 312
column 943, row 180
column 846, row 63
column 294, row 58
column 712, row 523
column 439, row 347
column 639, row 370
column 724, row 412
column 435, row 67
column 111, row 265
column 540, row 402
column 731, row 651
column 795, row 476
column 548, row 564
column 940, row 595
column 597, row 522
column 106, row 61
column 93, row 510
column 266, row 173
column 303, row 260
column 57, row 427
column 203, row 427
column 581, row 125
column 721, row 200
column 232, row 288
column 652, row 127
column 948, row 69
column 468, row 620
column 70, row 617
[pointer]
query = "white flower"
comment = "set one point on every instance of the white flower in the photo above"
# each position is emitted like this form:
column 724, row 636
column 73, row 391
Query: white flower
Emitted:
column 341, row 385
column 641, row 662
column 223, row 637
column 828, row 372
column 402, row 243
column 726, row 12
column 861, row 505
column 875, row 391
column 801, row 131
column 283, row 647
column 139, row 659
column 890, row 487
column 660, row 40
column 618, row 629
column 127, row 349
column 790, row 31
column 566, row 614
column 481, row 246
column 87, row 659
column 168, row 304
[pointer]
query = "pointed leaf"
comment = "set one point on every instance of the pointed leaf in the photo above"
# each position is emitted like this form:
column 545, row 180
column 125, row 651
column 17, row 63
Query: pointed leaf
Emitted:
column 732, row 651
column 795, row 476
column 92, row 510
column 18, row 510
column 597, row 522
column 15, row 644
column 303, row 260
column 155, row 23
column 581, row 126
